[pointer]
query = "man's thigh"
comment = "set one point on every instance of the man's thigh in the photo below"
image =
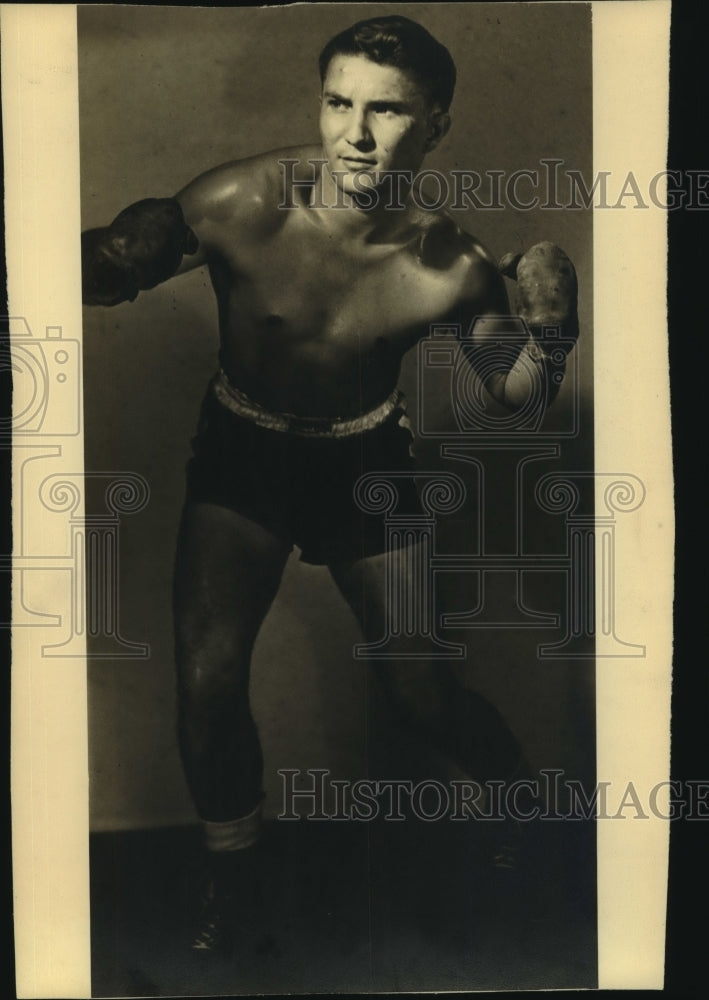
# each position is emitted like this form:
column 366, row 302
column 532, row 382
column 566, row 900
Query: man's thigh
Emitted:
column 379, row 586
column 227, row 572
column 385, row 592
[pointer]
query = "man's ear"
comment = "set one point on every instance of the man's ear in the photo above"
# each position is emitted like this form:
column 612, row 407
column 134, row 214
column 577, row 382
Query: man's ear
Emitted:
column 439, row 124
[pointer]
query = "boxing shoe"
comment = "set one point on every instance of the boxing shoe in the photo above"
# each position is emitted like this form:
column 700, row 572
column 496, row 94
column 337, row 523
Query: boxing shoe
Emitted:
column 226, row 900
column 509, row 837
column 214, row 928
column 507, row 846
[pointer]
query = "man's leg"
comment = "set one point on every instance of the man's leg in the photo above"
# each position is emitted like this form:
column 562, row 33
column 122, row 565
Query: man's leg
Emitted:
column 227, row 572
column 425, row 696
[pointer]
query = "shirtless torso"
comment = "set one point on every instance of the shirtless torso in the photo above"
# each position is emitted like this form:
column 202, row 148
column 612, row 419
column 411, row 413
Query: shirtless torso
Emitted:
column 316, row 313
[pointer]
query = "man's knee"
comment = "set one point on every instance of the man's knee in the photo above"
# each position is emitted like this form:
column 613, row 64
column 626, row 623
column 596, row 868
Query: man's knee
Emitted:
column 212, row 667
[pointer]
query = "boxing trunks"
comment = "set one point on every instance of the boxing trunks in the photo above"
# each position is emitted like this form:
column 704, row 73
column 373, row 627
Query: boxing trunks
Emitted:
column 295, row 476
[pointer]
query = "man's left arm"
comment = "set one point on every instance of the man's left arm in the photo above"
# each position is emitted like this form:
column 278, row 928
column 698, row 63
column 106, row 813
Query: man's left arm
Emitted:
column 515, row 360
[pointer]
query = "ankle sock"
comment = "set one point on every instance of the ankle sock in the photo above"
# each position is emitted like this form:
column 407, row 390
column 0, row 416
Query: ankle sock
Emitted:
column 233, row 834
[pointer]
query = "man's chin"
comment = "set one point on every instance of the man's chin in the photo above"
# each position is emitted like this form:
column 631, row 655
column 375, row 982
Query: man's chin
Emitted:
column 353, row 180
column 366, row 188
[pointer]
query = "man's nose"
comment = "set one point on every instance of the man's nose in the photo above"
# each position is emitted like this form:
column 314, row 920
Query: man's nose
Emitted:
column 358, row 133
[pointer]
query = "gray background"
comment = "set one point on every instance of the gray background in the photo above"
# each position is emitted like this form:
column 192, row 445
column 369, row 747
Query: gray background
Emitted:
column 166, row 93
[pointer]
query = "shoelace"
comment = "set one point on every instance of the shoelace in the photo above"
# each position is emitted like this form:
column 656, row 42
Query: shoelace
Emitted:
column 507, row 849
column 208, row 935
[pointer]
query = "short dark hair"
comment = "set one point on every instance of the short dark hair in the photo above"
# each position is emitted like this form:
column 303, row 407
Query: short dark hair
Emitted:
column 398, row 41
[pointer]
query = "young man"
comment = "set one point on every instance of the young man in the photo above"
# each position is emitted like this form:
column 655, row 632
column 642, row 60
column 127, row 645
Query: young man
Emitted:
column 326, row 273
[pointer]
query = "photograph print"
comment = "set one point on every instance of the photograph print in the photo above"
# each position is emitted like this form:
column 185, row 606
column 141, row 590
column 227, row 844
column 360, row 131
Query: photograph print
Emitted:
column 337, row 356
column 341, row 498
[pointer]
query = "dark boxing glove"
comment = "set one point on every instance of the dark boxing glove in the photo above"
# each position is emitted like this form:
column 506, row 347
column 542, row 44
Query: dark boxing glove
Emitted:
column 142, row 247
column 547, row 294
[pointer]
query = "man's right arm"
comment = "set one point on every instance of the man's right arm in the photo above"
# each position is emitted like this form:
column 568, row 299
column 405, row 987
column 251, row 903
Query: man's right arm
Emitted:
column 157, row 238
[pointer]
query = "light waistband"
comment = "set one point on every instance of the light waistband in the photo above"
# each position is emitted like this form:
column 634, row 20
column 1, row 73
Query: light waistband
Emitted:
column 290, row 423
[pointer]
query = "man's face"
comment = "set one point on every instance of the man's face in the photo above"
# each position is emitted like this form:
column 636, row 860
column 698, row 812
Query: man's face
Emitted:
column 374, row 119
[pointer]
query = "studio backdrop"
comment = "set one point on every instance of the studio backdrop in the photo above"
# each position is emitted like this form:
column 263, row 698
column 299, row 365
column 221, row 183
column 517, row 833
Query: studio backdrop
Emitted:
column 168, row 93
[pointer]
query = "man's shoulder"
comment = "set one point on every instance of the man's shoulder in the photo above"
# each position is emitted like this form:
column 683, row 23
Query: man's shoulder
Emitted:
column 246, row 188
column 444, row 243
column 446, row 247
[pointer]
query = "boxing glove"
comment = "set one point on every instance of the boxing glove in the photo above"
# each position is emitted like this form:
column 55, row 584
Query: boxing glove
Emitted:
column 142, row 247
column 547, row 293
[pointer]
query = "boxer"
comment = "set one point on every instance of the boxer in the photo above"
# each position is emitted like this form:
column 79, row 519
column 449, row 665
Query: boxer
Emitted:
column 318, row 303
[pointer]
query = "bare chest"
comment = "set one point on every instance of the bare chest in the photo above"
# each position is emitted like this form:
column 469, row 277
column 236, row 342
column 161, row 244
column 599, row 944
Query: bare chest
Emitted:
column 304, row 285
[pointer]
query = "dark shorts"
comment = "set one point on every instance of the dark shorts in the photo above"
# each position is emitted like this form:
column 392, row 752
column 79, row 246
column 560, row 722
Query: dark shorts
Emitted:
column 301, row 488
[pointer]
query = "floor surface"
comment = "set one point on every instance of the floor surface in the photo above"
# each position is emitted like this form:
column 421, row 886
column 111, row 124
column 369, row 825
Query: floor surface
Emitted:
column 351, row 907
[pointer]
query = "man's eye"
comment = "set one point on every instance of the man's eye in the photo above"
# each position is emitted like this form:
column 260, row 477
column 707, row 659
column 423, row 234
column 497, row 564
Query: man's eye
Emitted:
column 386, row 109
column 333, row 102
